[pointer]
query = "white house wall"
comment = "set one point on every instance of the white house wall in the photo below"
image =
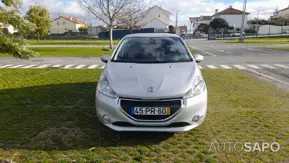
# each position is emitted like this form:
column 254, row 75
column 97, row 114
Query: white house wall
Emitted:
column 284, row 13
column 158, row 13
column 156, row 24
column 64, row 26
column 233, row 19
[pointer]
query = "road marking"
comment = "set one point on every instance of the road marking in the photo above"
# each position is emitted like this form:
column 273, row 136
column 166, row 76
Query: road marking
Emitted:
column 92, row 66
column 29, row 66
column 205, row 51
column 211, row 66
column 42, row 66
column 79, row 67
column 67, row 66
column 200, row 67
column 56, row 66
column 268, row 66
column 279, row 65
column 240, row 67
column 253, row 66
column 218, row 49
column 102, row 67
column 17, row 66
column 254, row 49
column 225, row 67
column 5, row 66
column 269, row 77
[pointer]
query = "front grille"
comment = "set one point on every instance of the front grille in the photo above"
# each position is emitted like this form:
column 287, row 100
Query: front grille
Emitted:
column 175, row 105
column 126, row 124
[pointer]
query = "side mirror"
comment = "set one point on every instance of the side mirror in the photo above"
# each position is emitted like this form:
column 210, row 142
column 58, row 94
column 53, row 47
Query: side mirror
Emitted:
column 199, row 58
column 105, row 58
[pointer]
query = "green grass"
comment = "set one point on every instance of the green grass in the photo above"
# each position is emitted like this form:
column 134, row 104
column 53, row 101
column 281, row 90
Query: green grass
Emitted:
column 72, row 52
column 193, row 51
column 283, row 48
column 49, row 116
column 261, row 41
column 69, row 52
column 71, row 42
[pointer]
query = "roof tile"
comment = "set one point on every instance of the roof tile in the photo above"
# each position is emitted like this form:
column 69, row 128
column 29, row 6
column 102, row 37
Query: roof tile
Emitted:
column 229, row 11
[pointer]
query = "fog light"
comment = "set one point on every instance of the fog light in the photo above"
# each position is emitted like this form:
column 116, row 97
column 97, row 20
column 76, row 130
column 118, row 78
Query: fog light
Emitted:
column 105, row 118
column 196, row 118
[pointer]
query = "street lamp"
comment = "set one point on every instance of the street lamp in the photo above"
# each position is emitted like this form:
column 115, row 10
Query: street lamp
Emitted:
column 243, row 22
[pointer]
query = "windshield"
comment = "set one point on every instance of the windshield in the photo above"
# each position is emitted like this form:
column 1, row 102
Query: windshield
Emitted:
column 152, row 50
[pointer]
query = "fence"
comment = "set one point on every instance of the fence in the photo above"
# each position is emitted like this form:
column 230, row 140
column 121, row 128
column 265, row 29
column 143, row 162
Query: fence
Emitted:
column 272, row 30
column 118, row 34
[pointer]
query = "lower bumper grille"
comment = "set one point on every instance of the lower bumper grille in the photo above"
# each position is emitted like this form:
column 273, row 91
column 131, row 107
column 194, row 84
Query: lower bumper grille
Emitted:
column 174, row 105
column 126, row 124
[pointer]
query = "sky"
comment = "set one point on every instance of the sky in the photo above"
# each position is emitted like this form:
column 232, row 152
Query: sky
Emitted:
column 186, row 8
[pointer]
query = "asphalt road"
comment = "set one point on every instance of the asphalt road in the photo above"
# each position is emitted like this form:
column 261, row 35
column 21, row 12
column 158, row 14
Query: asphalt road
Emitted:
column 270, row 65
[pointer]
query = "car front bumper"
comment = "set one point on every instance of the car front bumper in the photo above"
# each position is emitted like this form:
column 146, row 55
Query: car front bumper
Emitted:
column 191, row 114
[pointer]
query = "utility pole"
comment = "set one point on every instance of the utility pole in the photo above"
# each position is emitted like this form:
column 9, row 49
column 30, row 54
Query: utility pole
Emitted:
column 243, row 22
column 177, row 17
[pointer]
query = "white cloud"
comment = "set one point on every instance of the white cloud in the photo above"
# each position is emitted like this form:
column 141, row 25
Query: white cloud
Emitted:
column 186, row 8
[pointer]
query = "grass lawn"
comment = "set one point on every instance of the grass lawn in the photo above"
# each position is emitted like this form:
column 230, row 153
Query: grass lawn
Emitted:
column 193, row 51
column 283, row 48
column 49, row 116
column 69, row 52
column 72, row 42
column 72, row 52
column 261, row 41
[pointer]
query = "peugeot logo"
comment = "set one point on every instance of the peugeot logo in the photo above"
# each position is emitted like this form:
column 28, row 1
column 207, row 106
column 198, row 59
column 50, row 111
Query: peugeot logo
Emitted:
column 150, row 90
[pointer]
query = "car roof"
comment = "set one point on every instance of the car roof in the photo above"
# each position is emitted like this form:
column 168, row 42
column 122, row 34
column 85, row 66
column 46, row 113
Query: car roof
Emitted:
column 151, row 35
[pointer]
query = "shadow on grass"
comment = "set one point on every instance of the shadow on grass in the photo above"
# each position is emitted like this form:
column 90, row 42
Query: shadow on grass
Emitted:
column 60, row 116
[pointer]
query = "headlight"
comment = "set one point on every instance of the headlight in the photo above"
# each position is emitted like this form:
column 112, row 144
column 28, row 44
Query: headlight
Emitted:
column 198, row 87
column 104, row 87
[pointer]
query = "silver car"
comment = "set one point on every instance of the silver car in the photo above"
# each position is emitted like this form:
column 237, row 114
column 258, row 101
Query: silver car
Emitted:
column 151, row 83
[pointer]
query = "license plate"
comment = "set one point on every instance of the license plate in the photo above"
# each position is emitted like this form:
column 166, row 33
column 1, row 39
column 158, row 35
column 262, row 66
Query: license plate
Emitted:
column 150, row 111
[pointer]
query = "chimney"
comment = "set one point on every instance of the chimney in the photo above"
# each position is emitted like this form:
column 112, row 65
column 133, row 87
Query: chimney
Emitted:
column 216, row 11
column 230, row 6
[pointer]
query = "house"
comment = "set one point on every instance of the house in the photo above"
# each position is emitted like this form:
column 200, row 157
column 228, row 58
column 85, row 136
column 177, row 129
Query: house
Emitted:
column 95, row 30
column 232, row 16
column 284, row 12
column 156, row 17
column 64, row 24
column 183, row 29
column 205, row 20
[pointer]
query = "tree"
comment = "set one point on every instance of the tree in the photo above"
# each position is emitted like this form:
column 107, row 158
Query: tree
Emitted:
column 107, row 11
column 40, row 16
column 203, row 28
column 172, row 29
column 132, row 14
column 219, row 23
column 82, row 29
column 14, row 44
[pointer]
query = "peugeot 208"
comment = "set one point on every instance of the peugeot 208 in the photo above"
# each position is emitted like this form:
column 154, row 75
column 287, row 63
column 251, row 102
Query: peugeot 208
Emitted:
column 151, row 83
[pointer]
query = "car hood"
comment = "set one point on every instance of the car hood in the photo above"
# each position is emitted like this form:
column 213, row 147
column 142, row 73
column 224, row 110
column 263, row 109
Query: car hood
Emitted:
column 168, row 80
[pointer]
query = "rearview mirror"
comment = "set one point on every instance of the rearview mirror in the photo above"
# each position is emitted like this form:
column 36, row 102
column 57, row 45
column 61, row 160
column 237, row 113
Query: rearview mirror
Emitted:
column 105, row 58
column 199, row 58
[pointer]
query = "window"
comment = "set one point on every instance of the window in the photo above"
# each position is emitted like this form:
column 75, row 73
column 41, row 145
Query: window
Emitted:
column 57, row 23
column 159, row 16
column 152, row 50
column 63, row 22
